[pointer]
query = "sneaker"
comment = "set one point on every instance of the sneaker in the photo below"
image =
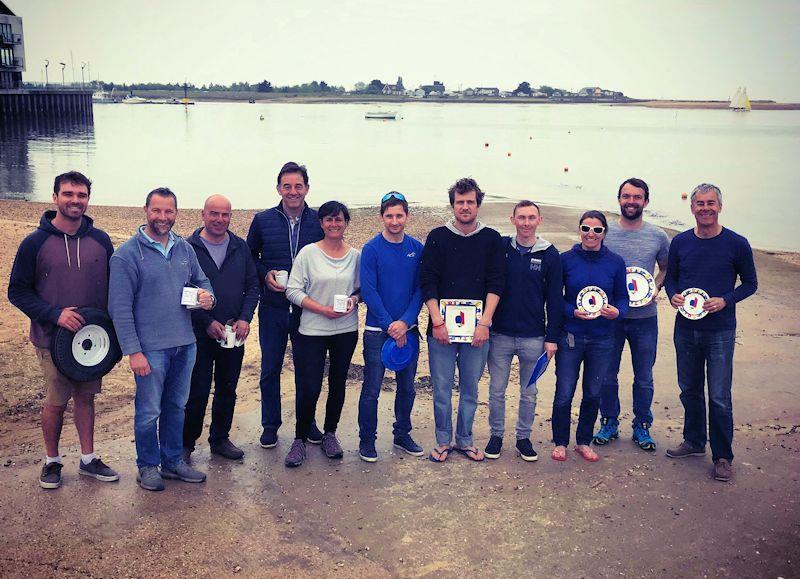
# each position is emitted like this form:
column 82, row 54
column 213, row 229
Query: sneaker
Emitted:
column 367, row 452
column 226, row 449
column 685, row 449
column 331, row 446
column 641, row 436
column 269, row 439
column 314, row 434
column 51, row 475
column 297, row 454
column 184, row 472
column 494, row 448
column 525, row 450
column 722, row 470
column 99, row 470
column 150, row 479
column 407, row 444
column 608, row 431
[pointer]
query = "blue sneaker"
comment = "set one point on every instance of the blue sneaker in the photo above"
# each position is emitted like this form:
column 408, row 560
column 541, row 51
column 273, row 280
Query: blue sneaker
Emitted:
column 608, row 432
column 367, row 452
column 641, row 436
column 407, row 444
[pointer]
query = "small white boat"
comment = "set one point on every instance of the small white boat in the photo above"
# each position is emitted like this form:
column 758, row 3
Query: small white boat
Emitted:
column 385, row 115
column 103, row 96
column 134, row 100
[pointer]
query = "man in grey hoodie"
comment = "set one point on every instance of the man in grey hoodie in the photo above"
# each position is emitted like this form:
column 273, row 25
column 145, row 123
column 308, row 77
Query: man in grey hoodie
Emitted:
column 149, row 274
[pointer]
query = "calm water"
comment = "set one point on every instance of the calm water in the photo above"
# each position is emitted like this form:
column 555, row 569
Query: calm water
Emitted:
column 226, row 148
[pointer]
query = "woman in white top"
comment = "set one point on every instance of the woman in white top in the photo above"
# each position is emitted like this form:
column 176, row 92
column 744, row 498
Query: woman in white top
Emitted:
column 322, row 274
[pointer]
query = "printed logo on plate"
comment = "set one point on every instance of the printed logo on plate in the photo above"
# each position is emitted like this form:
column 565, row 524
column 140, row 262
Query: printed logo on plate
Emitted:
column 692, row 308
column 641, row 286
column 591, row 300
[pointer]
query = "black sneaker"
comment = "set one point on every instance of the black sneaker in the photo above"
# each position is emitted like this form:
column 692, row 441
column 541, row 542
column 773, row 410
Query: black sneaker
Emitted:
column 99, row 470
column 494, row 448
column 405, row 443
column 226, row 449
column 297, row 454
column 525, row 450
column 367, row 452
column 51, row 476
column 314, row 434
column 269, row 439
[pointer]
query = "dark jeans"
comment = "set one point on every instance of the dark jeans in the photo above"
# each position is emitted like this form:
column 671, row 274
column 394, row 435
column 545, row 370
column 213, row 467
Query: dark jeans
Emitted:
column 702, row 354
column 224, row 366
column 309, row 366
column 642, row 335
column 594, row 352
column 371, row 389
column 273, row 333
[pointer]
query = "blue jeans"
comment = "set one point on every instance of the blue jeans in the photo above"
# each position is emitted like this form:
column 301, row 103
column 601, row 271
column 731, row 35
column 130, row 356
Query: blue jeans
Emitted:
column 371, row 388
column 642, row 335
column 443, row 360
column 502, row 349
column 594, row 352
column 705, row 354
column 159, row 406
column 273, row 334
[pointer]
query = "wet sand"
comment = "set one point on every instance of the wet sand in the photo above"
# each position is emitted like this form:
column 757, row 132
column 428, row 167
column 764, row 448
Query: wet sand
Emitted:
column 633, row 513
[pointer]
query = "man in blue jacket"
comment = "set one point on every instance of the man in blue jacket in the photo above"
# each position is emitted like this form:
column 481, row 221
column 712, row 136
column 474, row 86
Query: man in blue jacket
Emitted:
column 709, row 257
column 520, row 327
column 149, row 275
column 275, row 237
column 226, row 261
column 390, row 287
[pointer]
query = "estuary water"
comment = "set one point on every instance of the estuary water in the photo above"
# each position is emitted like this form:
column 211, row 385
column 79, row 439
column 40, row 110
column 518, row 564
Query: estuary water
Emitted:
column 570, row 155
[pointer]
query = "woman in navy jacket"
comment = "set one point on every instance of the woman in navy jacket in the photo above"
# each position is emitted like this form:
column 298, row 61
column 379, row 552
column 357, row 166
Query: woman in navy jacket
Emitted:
column 587, row 338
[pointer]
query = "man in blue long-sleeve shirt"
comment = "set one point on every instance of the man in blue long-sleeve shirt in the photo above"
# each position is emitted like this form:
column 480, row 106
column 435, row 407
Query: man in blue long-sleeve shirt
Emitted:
column 709, row 257
column 390, row 288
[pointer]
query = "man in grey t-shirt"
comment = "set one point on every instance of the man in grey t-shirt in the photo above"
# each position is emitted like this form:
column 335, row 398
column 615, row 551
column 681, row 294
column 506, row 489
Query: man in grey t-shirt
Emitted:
column 641, row 245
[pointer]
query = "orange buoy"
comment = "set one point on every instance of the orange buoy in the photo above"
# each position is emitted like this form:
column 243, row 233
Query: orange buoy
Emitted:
column 684, row 195
column 566, row 169
column 509, row 154
column 486, row 144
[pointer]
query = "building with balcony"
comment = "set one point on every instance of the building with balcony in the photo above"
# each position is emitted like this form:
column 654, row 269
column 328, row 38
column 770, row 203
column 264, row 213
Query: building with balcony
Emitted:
column 12, row 49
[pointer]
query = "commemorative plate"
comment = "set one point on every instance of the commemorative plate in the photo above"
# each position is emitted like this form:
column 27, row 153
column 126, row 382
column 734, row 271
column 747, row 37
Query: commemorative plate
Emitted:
column 460, row 317
column 641, row 286
column 591, row 300
column 692, row 308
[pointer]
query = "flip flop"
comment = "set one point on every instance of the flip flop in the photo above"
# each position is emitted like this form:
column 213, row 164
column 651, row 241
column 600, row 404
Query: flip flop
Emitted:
column 471, row 452
column 587, row 453
column 437, row 455
column 559, row 455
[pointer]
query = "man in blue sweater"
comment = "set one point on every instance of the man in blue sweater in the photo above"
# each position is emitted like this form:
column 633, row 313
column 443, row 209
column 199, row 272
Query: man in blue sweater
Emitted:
column 149, row 273
column 389, row 274
column 709, row 257
column 275, row 237
column 520, row 327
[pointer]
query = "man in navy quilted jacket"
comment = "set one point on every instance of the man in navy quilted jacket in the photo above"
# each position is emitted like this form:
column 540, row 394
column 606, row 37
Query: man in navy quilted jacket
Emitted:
column 275, row 237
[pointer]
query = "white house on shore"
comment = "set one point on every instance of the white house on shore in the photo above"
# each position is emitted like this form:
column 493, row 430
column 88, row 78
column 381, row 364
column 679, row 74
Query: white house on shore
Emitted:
column 12, row 49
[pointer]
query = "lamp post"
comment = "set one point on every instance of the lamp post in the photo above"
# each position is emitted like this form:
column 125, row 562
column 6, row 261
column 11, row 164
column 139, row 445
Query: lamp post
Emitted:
column 63, row 66
column 83, row 65
column 46, row 64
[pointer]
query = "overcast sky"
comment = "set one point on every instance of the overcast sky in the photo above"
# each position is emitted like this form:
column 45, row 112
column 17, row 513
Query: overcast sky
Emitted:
column 676, row 49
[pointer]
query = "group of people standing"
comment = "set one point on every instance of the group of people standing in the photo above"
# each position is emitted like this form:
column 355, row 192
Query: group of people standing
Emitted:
column 306, row 282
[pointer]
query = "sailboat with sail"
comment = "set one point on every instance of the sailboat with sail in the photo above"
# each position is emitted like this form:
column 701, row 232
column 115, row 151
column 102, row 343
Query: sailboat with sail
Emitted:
column 740, row 101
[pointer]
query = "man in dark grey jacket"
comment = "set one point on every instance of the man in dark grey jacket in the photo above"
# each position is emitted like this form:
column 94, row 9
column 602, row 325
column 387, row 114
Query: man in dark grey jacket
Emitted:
column 226, row 261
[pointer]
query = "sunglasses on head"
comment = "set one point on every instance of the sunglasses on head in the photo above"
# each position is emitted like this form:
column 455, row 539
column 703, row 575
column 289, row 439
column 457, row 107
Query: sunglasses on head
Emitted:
column 393, row 194
column 597, row 229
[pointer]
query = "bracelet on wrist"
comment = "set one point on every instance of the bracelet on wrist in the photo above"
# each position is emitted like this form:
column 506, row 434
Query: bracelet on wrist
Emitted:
column 438, row 325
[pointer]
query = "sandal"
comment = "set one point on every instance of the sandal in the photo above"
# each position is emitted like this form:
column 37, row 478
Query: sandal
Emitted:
column 440, row 453
column 587, row 453
column 471, row 452
column 559, row 453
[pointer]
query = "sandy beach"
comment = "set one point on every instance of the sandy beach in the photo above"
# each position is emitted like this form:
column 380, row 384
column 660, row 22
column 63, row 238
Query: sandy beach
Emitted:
column 632, row 514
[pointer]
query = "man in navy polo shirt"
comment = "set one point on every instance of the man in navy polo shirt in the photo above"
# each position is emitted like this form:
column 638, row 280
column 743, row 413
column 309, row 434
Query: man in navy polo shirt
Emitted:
column 709, row 257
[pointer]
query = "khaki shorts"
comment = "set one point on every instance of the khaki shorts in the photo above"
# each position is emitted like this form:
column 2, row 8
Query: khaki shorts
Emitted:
column 59, row 388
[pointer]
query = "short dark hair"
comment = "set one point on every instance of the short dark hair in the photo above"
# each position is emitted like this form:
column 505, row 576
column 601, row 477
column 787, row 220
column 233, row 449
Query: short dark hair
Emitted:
column 393, row 202
column 161, row 192
column 464, row 186
column 330, row 208
column 639, row 184
column 72, row 177
column 525, row 203
column 592, row 213
column 292, row 167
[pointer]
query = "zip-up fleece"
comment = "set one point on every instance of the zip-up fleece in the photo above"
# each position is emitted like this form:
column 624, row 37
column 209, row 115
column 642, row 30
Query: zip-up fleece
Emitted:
column 144, row 295
column 54, row 270
column 270, row 243
column 235, row 283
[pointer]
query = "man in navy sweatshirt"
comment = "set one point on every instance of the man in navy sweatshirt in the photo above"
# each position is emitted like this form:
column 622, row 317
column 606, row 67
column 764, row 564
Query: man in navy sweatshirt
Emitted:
column 709, row 257
column 389, row 274
column 520, row 327
column 62, row 266
column 462, row 260
column 149, row 274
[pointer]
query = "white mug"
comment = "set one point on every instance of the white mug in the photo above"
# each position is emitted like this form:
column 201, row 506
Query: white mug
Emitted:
column 342, row 303
column 190, row 298
column 282, row 277
column 229, row 341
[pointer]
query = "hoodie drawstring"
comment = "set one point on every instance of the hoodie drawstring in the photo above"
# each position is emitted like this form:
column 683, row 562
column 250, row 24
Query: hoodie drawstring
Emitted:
column 79, row 253
column 66, row 247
